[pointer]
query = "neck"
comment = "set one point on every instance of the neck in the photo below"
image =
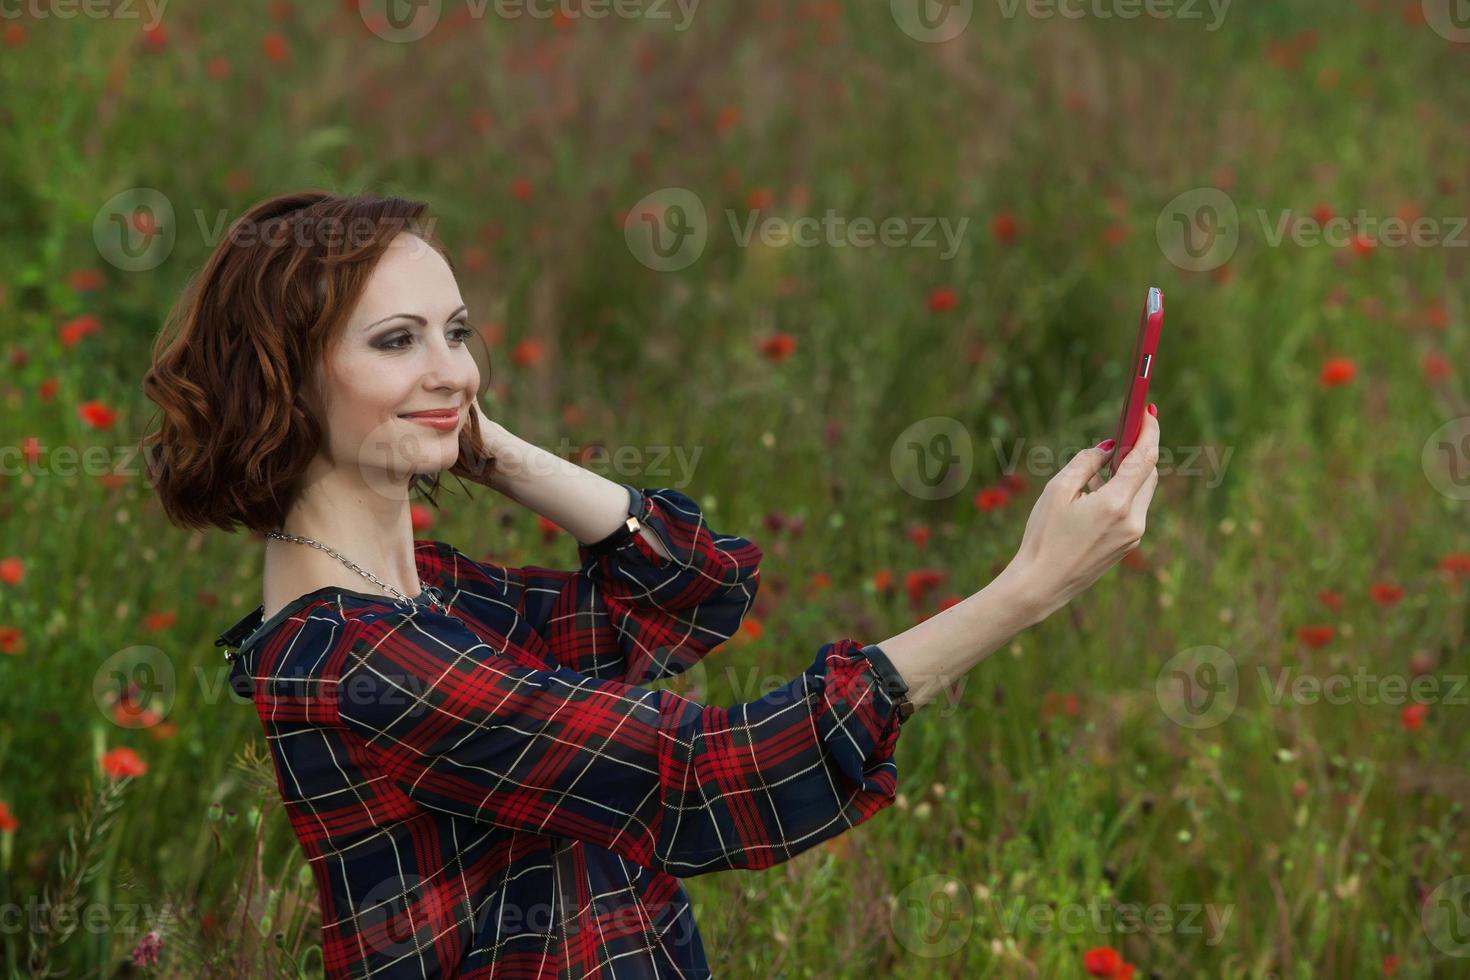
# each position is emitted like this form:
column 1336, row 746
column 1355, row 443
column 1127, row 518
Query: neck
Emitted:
column 369, row 525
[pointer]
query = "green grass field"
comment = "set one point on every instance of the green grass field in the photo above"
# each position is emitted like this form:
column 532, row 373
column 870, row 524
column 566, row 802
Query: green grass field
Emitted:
column 1210, row 763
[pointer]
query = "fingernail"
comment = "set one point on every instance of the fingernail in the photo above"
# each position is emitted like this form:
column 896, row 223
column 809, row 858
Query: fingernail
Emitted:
column 1153, row 409
column 1107, row 444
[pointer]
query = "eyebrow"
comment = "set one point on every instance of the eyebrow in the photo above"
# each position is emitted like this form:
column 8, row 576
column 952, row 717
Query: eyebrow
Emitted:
column 414, row 317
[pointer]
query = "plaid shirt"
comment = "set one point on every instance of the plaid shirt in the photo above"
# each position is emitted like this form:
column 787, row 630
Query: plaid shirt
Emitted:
column 488, row 791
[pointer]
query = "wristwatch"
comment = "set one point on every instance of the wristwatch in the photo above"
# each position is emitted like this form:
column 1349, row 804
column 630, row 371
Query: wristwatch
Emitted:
column 626, row 530
column 892, row 681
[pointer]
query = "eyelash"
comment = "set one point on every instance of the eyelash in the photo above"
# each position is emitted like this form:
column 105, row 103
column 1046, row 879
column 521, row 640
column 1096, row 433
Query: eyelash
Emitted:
column 392, row 343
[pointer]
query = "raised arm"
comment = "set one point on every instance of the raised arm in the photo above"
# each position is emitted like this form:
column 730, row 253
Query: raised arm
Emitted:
column 664, row 781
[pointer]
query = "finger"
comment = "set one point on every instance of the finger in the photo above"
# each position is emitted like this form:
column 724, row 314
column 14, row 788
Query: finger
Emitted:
column 1138, row 510
column 1070, row 479
column 1137, row 465
column 1096, row 483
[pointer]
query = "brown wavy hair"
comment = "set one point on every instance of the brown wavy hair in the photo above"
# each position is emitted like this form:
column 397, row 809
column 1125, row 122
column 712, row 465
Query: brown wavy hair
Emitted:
column 240, row 350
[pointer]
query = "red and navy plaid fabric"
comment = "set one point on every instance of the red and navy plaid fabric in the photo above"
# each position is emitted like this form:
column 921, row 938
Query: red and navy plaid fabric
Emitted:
column 490, row 792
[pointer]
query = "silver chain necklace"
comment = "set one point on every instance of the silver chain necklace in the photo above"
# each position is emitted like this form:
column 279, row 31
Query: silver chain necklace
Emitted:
column 435, row 602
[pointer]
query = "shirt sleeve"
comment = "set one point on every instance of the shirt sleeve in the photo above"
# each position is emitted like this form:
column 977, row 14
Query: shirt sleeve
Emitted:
column 634, row 616
column 664, row 781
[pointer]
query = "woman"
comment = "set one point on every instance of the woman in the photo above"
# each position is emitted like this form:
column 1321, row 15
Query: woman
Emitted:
column 465, row 751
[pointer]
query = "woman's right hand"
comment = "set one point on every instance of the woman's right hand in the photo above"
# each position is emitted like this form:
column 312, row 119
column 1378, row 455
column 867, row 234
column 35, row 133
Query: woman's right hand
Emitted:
column 1081, row 526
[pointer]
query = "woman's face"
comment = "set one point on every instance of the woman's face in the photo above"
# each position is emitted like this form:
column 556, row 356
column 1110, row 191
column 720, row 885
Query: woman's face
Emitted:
column 403, row 350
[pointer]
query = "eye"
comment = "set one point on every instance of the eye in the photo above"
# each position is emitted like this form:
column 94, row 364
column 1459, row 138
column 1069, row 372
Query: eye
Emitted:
column 397, row 342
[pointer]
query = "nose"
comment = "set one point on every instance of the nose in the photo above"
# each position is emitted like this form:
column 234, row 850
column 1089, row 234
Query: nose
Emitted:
column 451, row 368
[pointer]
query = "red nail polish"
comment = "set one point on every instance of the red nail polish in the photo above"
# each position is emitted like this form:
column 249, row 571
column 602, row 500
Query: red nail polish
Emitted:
column 1153, row 409
column 1107, row 444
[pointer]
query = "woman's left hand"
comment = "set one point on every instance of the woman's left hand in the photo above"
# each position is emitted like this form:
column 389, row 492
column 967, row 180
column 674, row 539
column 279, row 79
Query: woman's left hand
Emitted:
column 477, row 460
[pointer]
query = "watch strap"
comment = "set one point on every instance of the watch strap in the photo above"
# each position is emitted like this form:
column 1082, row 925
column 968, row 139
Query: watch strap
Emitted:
column 892, row 681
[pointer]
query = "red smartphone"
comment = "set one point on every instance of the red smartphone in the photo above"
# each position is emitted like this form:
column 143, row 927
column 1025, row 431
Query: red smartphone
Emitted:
column 1135, row 400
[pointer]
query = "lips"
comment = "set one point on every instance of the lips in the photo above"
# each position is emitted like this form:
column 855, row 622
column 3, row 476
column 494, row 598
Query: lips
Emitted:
column 441, row 419
column 438, row 415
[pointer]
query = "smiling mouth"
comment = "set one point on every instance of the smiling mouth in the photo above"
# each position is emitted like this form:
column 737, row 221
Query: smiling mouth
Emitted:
column 444, row 415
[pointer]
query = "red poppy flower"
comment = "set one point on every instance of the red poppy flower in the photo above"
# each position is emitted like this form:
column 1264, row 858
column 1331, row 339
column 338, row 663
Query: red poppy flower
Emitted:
column 528, row 352
column 15, row 35
column 549, row 529
column 1412, row 717
column 1323, row 213
column 46, row 390
column 1102, row 961
column 883, row 580
column 1456, row 564
column 84, row 280
column 1014, row 482
column 275, row 48
column 992, row 498
column 1391, row 963
column 1437, row 314
column 122, row 762
column 758, row 199
column 11, row 641
column 1115, row 235
column 918, row 583
column 1316, row 637
column 30, row 447
column 521, row 188
column 155, row 38
column 1363, row 245
column 1005, row 228
column 8, row 823
column 942, row 300
column 12, row 570
column 1436, row 366
column 97, row 415
column 919, row 535
column 73, row 330
column 420, row 517
column 752, row 628
column 218, row 67
column 1337, row 371
column 1385, row 593
column 159, row 621
column 1332, row 600
column 777, row 347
